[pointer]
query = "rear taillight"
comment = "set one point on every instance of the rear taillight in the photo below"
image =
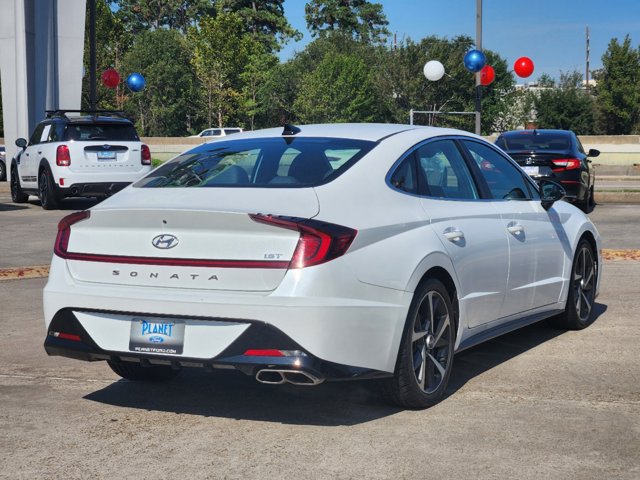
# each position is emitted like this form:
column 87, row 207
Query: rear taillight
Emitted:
column 565, row 164
column 64, row 232
column 319, row 241
column 146, row 155
column 63, row 157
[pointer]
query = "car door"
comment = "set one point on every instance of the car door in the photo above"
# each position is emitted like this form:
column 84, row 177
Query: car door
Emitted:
column 30, row 158
column 469, row 228
column 536, row 253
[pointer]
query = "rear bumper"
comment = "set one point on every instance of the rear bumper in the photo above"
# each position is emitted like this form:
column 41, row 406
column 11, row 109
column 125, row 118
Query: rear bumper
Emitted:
column 333, row 319
column 102, row 189
column 67, row 337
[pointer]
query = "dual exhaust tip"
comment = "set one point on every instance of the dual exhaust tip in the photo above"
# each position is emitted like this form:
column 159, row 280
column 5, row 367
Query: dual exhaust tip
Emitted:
column 295, row 377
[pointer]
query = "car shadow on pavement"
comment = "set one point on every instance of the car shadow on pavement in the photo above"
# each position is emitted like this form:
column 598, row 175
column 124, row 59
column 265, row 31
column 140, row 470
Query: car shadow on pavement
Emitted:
column 477, row 360
column 9, row 207
column 235, row 395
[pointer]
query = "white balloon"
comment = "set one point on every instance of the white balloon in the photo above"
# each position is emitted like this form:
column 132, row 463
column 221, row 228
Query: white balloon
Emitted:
column 433, row 70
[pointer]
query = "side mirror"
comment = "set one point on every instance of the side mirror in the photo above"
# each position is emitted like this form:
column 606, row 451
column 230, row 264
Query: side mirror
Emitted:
column 593, row 152
column 21, row 142
column 550, row 192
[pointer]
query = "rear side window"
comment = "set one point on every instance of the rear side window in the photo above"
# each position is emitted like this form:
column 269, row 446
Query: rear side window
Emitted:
column 262, row 162
column 444, row 171
column 95, row 131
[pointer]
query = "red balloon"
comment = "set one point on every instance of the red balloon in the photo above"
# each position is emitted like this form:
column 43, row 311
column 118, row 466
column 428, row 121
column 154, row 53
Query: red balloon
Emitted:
column 110, row 78
column 487, row 75
column 523, row 67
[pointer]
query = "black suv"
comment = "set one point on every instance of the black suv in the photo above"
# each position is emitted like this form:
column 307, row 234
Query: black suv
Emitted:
column 554, row 155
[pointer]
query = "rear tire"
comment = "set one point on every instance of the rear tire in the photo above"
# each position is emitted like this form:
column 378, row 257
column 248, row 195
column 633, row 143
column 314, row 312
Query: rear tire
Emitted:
column 47, row 192
column 425, row 359
column 17, row 195
column 582, row 290
column 138, row 373
column 3, row 172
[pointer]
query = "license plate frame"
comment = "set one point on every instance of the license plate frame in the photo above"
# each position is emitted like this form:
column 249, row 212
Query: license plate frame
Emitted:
column 531, row 171
column 106, row 155
column 156, row 335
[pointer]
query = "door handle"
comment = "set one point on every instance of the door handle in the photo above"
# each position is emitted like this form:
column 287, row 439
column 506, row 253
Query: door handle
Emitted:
column 39, row 152
column 453, row 234
column 515, row 228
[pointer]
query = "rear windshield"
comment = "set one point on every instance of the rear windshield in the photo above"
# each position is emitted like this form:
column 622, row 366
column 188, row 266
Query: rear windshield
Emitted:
column 530, row 141
column 101, row 131
column 262, row 162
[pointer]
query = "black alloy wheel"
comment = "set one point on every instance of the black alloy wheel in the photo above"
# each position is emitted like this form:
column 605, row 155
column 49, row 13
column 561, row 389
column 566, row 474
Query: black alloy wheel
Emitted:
column 46, row 191
column 426, row 353
column 17, row 195
column 582, row 289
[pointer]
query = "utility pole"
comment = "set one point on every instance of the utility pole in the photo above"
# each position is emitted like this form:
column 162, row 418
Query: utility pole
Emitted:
column 92, row 55
column 586, row 76
column 478, row 89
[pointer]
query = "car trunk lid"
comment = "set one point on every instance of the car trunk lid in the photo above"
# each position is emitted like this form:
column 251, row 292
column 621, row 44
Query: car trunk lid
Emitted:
column 174, row 244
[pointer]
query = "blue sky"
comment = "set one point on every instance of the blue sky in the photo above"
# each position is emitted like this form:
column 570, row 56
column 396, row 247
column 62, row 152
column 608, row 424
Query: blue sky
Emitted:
column 550, row 32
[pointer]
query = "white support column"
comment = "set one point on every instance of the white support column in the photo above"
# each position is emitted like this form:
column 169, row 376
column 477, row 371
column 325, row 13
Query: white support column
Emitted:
column 41, row 48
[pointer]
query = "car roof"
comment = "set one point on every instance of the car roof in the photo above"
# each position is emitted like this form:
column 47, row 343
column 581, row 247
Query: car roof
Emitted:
column 538, row 131
column 374, row 132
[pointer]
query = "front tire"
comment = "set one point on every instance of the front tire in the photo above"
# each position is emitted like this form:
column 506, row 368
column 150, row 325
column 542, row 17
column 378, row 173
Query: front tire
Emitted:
column 582, row 289
column 425, row 359
column 138, row 373
column 17, row 195
column 46, row 191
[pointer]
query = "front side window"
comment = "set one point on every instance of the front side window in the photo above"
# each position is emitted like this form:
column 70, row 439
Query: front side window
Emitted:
column 505, row 180
column 444, row 172
column 37, row 134
column 261, row 162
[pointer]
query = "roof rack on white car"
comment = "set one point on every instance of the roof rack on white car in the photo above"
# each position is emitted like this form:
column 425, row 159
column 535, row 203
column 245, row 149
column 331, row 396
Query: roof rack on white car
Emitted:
column 94, row 113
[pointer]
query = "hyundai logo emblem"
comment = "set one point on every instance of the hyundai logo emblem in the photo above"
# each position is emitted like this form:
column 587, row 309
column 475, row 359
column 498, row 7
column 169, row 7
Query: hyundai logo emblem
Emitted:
column 165, row 241
column 106, row 147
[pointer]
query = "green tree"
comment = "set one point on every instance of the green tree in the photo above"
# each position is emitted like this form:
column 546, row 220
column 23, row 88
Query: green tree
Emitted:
column 618, row 89
column 164, row 107
column 340, row 89
column 254, row 76
column 264, row 19
column 141, row 15
column 359, row 19
column 221, row 50
column 565, row 106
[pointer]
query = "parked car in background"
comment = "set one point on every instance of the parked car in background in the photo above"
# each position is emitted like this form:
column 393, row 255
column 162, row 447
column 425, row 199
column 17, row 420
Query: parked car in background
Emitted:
column 320, row 252
column 3, row 163
column 94, row 155
column 554, row 155
column 217, row 132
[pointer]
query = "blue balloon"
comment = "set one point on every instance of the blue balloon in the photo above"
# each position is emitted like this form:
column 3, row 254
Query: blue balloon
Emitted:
column 136, row 82
column 474, row 60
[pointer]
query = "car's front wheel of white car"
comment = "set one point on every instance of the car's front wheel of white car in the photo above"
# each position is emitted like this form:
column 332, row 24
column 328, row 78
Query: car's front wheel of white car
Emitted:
column 425, row 359
column 17, row 195
column 578, row 312
column 138, row 372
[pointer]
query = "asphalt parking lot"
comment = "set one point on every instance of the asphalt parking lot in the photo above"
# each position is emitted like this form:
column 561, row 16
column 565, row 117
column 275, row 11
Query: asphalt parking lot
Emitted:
column 539, row 403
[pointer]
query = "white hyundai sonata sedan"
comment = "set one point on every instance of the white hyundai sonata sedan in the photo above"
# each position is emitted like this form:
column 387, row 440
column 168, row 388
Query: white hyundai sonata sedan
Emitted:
column 317, row 253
